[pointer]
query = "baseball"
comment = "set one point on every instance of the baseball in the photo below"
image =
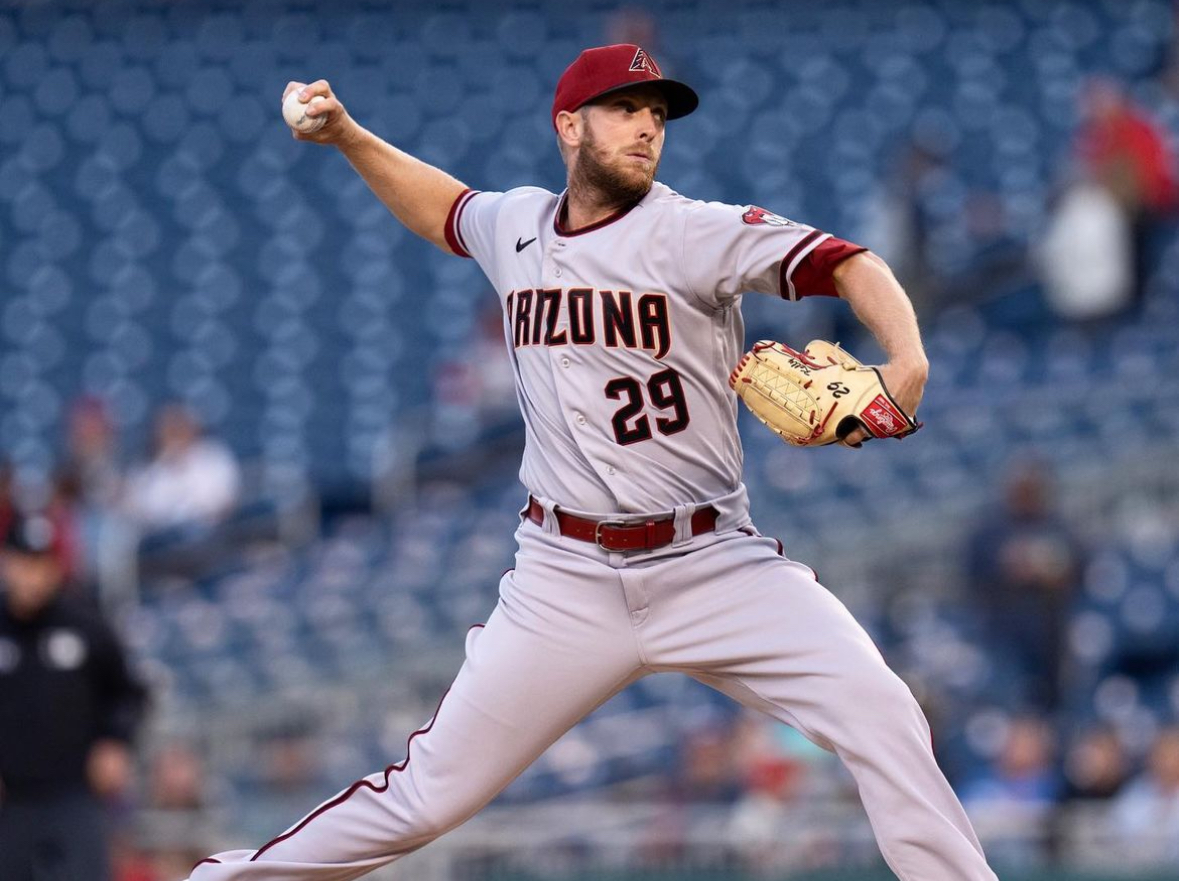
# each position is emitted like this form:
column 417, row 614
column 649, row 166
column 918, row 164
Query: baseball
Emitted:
column 294, row 112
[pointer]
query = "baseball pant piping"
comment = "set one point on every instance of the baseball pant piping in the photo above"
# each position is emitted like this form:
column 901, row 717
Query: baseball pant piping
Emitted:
column 549, row 655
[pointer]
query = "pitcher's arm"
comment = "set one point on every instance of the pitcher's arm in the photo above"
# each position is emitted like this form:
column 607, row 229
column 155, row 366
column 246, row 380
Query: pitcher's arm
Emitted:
column 418, row 194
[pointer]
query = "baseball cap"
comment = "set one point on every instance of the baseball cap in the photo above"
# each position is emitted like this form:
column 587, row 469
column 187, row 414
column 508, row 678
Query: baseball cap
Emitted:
column 605, row 69
column 32, row 535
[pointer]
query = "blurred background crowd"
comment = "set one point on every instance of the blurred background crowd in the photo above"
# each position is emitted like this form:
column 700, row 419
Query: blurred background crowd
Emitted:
column 253, row 428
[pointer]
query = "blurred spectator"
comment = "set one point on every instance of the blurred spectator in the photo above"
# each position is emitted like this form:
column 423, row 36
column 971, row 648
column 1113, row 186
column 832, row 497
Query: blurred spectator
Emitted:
column 1023, row 773
column 761, row 762
column 1099, row 245
column 1012, row 801
column 475, row 393
column 68, row 710
column 292, row 763
column 288, row 764
column 1147, row 812
column 632, row 24
column 996, row 261
column 130, row 863
column 1120, row 148
column 1025, row 566
column 190, row 480
column 898, row 222
column 968, row 254
column 775, row 763
column 92, row 467
column 92, row 453
column 176, row 781
column 706, row 776
column 177, row 822
column 759, row 823
column 708, row 772
column 171, row 863
column 497, row 382
column 64, row 511
column 1096, row 767
column 7, row 496
column 1086, row 254
column 1123, row 150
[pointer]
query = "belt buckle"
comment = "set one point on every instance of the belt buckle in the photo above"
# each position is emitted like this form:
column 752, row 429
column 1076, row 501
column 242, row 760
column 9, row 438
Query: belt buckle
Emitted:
column 598, row 534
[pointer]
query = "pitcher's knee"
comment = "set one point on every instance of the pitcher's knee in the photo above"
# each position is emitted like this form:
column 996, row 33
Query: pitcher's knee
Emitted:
column 881, row 699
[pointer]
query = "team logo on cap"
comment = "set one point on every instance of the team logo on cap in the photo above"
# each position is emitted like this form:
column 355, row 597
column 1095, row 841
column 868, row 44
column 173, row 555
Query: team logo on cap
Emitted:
column 643, row 61
column 755, row 216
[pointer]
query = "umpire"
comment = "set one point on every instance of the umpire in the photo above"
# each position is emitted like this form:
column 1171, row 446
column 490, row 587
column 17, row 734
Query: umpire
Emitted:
column 68, row 710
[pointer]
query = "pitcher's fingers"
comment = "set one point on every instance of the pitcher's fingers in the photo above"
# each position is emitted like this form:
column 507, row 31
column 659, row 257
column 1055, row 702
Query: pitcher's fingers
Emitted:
column 319, row 87
column 319, row 108
column 291, row 86
column 313, row 137
column 856, row 438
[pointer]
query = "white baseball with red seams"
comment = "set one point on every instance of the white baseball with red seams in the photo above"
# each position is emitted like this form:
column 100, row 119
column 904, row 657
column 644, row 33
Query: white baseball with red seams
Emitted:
column 623, row 334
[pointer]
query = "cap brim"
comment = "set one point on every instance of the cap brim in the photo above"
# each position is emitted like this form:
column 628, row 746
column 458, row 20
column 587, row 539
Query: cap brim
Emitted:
column 681, row 98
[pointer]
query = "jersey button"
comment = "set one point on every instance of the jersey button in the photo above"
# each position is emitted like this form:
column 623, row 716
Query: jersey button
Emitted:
column 610, row 470
column 557, row 273
column 565, row 362
column 580, row 419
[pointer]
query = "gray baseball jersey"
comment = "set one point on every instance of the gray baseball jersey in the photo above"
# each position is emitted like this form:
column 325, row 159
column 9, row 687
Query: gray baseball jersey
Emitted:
column 623, row 334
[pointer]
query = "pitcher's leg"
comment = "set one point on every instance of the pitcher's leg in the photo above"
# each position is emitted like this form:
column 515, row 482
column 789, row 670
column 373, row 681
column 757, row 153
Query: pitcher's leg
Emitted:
column 918, row 822
column 767, row 634
column 521, row 688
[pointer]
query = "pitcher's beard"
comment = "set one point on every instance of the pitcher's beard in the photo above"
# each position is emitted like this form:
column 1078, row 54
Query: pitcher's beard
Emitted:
column 614, row 186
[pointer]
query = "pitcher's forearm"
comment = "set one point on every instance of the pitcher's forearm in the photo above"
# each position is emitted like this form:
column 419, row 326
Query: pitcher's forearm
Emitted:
column 418, row 194
column 882, row 306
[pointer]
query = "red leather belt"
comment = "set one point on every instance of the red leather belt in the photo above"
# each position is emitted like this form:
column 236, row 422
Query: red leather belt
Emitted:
column 623, row 535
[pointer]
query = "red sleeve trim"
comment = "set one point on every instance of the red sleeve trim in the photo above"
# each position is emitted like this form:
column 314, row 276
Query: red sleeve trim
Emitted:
column 454, row 236
column 785, row 270
column 810, row 273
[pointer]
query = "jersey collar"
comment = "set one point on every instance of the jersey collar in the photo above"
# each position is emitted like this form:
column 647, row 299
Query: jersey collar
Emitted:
column 559, row 227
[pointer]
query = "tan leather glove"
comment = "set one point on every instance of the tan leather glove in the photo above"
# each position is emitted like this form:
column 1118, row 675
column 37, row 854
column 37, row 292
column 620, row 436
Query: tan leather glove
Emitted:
column 817, row 396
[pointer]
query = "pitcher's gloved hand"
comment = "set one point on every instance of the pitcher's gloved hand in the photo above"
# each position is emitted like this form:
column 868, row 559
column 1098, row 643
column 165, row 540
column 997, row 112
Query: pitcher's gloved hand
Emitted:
column 818, row 396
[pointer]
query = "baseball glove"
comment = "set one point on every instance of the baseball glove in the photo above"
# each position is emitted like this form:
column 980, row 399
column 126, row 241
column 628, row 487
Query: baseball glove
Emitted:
column 817, row 396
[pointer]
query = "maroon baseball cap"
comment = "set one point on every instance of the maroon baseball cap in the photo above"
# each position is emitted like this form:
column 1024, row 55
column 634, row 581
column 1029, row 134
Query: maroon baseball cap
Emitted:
column 605, row 69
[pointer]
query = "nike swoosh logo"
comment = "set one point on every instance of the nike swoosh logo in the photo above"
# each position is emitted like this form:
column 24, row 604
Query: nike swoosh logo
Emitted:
column 521, row 245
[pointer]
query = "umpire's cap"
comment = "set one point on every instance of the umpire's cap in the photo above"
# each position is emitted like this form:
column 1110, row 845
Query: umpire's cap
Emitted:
column 605, row 69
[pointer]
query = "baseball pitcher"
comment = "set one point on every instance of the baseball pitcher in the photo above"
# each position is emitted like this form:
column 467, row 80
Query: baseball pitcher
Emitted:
column 621, row 311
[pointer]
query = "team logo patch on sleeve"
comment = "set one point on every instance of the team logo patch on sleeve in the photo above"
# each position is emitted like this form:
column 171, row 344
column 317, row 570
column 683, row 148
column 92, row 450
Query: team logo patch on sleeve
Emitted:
column 755, row 216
